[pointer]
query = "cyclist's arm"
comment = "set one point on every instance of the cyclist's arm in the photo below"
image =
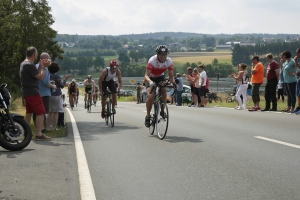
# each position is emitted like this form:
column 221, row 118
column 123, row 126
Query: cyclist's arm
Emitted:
column 101, row 78
column 120, row 80
column 171, row 76
column 93, row 86
column 147, row 78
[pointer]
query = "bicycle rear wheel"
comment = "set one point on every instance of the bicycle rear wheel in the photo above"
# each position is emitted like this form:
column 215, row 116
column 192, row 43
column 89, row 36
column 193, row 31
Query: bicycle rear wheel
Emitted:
column 162, row 121
column 107, row 112
column 216, row 99
column 111, row 114
column 153, row 119
column 90, row 105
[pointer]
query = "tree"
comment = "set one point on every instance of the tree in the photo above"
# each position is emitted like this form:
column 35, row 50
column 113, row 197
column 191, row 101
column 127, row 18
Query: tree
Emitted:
column 24, row 23
column 133, row 55
column 99, row 62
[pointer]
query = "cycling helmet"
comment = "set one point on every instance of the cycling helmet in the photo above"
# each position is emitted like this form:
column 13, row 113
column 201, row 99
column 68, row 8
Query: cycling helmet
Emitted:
column 73, row 81
column 113, row 64
column 89, row 76
column 162, row 48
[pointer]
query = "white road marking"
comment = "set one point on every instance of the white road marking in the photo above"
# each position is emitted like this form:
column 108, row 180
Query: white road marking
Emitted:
column 278, row 142
column 85, row 181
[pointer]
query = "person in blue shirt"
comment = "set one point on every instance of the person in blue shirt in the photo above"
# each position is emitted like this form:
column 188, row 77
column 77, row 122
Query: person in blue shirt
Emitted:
column 179, row 85
column 45, row 89
column 289, row 75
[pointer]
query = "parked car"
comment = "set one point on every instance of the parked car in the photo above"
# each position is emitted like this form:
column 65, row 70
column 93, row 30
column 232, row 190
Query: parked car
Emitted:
column 186, row 94
column 80, row 84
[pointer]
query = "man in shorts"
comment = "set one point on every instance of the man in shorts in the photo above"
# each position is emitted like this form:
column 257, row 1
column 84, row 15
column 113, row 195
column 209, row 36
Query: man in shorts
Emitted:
column 89, row 88
column 30, row 77
column 106, row 80
column 155, row 69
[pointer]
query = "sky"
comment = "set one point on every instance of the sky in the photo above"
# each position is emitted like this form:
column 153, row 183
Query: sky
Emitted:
column 118, row 17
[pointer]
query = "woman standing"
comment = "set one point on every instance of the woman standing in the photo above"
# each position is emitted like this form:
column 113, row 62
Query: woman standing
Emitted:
column 55, row 104
column 241, row 79
column 195, row 80
column 289, row 75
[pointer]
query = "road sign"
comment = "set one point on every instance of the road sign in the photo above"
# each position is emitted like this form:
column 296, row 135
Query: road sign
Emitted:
column 132, row 81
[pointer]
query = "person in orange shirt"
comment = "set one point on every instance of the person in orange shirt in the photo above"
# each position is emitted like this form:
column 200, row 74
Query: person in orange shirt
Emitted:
column 257, row 79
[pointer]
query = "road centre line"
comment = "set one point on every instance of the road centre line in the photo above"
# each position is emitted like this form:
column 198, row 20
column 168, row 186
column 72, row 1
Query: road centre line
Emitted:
column 278, row 142
column 85, row 181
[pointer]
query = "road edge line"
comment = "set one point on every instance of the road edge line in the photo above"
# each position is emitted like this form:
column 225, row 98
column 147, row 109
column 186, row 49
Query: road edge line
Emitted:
column 85, row 181
column 278, row 142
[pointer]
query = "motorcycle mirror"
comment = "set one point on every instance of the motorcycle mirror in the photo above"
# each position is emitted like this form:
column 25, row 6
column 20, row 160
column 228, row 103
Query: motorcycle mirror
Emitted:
column 3, row 85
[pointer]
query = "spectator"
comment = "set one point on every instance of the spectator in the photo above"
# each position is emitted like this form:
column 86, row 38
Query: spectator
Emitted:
column 194, row 90
column 289, row 75
column 138, row 93
column 61, row 113
column 55, row 104
column 195, row 81
column 45, row 89
column 202, row 84
column 172, row 96
column 30, row 75
column 272, row 81
column 257, row 79
column 242, row 80
column 206, row 87
column 144, row 93
column 280, row 91
column 297, row 65
column 179, row 84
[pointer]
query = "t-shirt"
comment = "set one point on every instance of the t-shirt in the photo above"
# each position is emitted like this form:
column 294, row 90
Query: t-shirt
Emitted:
column 258, row 77
column 202, row 76
column 157, row 68
column 59, row 85
column 271, row 70
column 30, row 85
column 289, row 67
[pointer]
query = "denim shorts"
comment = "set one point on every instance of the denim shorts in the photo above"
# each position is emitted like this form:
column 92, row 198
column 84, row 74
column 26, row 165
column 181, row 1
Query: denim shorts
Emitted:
column 298, row 88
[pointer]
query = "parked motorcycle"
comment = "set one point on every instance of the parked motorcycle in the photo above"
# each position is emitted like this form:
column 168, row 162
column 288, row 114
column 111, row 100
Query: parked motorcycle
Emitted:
column 15, row 133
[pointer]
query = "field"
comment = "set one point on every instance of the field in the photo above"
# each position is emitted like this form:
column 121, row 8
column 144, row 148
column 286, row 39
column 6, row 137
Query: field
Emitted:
column 180, row 58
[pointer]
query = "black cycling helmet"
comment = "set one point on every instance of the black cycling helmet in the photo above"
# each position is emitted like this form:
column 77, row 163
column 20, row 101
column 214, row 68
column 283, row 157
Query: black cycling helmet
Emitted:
column 162, row 48
column 89, row 76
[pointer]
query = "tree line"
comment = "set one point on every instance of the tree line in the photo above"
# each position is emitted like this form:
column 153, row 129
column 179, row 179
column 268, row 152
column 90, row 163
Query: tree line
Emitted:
column 243, row 54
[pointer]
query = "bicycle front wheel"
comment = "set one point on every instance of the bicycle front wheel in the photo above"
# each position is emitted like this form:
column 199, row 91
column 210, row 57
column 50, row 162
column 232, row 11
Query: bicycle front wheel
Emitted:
column 216, row 99
column 229, row 100
column 162, row 121
column 111, row 115
column 107, row 112
column 90, row 105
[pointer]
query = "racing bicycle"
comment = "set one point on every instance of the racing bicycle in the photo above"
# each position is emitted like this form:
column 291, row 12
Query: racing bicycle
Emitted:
column 89, row 102
column 159, row 119
column 109, row 110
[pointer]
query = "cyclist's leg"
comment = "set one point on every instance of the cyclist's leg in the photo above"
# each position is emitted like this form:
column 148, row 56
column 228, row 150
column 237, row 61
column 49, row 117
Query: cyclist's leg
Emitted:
column 85, row 95
column 114, row 101
column 70, row 99
column 150, row 100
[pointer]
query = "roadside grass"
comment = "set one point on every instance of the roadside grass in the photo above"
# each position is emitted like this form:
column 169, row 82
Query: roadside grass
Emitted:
column 17, row 107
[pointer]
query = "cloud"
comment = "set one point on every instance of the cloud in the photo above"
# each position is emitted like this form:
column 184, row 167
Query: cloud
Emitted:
column 117, row 17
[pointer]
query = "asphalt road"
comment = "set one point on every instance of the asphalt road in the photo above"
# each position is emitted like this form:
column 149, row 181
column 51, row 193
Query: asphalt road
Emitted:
column 208, row 153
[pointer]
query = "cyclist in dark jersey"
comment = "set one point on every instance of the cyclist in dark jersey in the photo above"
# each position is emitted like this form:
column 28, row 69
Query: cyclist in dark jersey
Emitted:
column 89, row 88
column 72, row 91
column 106, row 80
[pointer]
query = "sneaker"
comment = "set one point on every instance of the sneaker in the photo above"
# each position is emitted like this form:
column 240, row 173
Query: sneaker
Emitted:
column 257, row 108
column 147, row 122
column 193, row 105
column 296, row 110
column 252, row 109
column 42, row 138
column 273, row 109
column 239, row 108
column 297, row 113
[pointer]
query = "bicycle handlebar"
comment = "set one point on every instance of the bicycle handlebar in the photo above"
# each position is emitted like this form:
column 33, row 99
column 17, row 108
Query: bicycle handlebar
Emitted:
column 162, row 84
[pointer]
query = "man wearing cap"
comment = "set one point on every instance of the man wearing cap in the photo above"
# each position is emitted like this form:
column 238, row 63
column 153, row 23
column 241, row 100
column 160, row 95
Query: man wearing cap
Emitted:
column 257, row 79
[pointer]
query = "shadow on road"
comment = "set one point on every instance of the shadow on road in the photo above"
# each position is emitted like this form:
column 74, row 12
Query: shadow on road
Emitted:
column 90, row 129
column 175, row 139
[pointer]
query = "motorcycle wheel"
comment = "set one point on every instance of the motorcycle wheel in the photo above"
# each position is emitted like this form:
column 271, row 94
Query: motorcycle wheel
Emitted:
column 21, row 141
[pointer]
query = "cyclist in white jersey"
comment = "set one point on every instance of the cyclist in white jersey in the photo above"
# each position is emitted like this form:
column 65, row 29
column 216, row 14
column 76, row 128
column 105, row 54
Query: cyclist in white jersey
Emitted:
column 89, row 88
column 106, row 80
column 155, row 69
